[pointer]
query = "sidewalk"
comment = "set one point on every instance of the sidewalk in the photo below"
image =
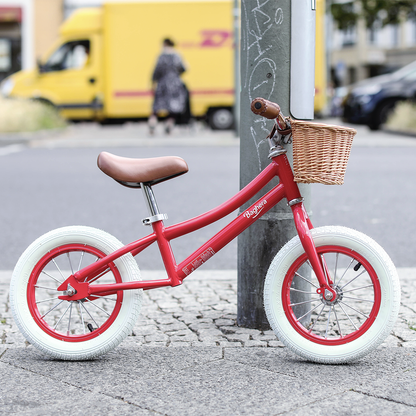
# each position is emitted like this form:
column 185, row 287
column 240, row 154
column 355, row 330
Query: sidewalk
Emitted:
column 186, row 356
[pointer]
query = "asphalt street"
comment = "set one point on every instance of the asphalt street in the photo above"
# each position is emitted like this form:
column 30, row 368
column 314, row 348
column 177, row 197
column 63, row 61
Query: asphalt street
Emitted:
column 186, row 355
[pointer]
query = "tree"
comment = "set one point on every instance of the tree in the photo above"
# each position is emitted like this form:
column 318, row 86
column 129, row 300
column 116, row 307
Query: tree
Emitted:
column 385, row 11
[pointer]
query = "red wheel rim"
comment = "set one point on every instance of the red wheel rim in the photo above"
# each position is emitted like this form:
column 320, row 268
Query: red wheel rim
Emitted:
column 365, row 273
column 39, row 316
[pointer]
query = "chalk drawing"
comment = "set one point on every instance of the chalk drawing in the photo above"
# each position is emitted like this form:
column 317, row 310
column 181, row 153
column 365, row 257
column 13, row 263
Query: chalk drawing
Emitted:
column 260, row 80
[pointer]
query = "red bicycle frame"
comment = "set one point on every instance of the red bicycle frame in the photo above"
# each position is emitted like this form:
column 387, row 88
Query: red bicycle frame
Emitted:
column 286, row 188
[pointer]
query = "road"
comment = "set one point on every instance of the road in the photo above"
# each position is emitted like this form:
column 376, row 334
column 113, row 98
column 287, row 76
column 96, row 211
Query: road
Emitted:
column 55, row 182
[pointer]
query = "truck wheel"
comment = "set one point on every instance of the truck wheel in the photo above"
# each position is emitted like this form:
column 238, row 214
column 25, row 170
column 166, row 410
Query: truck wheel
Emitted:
column 221, row 119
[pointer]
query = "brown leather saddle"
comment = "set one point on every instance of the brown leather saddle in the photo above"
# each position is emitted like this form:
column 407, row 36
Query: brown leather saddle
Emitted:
column 132, row 172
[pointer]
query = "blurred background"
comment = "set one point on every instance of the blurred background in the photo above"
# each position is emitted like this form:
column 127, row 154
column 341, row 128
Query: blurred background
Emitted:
column 360, row 45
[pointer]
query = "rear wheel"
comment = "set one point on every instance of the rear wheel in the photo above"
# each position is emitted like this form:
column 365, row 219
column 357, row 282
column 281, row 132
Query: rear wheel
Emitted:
column 73, row 330
column 347, row 327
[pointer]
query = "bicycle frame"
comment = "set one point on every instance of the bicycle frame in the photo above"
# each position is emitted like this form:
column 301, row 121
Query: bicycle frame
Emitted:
column 287, row 188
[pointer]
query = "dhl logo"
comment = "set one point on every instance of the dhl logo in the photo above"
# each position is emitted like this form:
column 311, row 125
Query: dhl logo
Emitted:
column 215, row 38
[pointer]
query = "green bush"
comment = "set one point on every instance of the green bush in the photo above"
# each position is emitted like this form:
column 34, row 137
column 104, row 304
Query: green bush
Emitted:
column 403, row 118
column 20, row 115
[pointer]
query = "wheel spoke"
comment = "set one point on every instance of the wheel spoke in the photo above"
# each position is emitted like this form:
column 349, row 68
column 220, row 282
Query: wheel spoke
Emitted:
column 303, row 303
column 59, row 270
column 306, row 280
column 56, row 280
column 358, row 288
column 101, row 309
column 336, row 268
column 86, row 310
column 359, row 299
column 50, row 310
column 47, row 288
column 345, row 272
column 356, row 277
column 82, row 316
column 345, row 312
column 80, row 261
column 66, row 310
column 316, row 320
column 327, row 324
column 356, row 310
column 70, row 263
column 69, row 320
column 292, row 289
column 298, row 319
column 336, row 317
column 46, row 300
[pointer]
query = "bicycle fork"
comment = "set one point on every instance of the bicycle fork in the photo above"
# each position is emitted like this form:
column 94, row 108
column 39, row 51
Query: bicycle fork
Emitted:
column 303, row 227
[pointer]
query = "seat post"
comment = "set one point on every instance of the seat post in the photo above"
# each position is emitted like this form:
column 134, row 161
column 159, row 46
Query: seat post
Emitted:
column 151, row 203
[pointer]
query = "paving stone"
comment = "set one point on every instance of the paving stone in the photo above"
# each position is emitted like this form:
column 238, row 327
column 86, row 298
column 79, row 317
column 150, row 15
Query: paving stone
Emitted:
column 158, row 337
column 243, row 338
column 275, row 344
column 228, row 344
column 145, row 330
column 255, row 343
column 224, row 322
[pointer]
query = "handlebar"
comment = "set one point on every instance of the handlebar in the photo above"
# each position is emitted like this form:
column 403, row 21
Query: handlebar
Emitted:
column 265, row 108
column 270, row 110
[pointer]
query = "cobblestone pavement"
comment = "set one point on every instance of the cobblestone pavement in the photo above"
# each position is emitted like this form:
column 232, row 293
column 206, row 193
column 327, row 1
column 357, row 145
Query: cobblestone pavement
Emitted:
column 202, row 312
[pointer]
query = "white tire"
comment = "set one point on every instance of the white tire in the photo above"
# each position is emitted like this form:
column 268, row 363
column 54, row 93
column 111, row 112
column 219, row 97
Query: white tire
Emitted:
column 77, row 330
column 364, row 312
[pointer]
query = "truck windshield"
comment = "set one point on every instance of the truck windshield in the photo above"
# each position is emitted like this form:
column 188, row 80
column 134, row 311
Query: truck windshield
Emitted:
column 70, row 55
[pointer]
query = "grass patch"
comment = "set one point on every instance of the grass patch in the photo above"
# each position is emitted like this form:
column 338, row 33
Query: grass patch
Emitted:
column 21, row 115
column 403, row 118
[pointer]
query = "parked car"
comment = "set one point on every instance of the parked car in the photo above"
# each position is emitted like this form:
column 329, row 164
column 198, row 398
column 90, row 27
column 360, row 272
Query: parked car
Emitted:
column 371, row 101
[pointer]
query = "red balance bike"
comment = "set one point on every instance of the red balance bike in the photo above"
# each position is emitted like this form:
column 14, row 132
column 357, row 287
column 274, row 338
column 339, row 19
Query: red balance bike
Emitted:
column 331, row 294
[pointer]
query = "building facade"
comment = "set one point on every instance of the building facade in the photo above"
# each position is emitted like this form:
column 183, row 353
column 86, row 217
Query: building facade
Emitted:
column 28, row 28
column 359, row 52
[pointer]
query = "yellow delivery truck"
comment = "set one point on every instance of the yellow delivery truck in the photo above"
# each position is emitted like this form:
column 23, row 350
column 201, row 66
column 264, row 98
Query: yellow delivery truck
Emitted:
column 101, row 66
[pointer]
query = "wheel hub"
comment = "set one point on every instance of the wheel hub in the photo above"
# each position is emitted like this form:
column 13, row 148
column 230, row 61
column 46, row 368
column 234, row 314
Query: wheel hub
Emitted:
column 327, row 299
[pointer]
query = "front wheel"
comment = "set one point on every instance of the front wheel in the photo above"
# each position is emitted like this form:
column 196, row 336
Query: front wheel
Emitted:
column 347, row 327
column 73, row 330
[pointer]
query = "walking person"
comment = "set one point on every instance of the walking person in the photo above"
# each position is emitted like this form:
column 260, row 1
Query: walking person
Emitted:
column 170, row 94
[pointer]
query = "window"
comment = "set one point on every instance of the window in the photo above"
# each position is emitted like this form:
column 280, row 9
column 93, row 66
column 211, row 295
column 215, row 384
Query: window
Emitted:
column 349, row 37
column 71, row 55
column 5, row 55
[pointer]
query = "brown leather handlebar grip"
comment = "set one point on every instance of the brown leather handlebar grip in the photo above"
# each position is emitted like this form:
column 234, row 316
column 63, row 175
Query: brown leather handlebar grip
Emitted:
column 265, row 108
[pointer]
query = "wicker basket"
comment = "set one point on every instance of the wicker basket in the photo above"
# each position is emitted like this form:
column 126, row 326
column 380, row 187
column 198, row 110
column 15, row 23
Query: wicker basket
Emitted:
column 320, row 152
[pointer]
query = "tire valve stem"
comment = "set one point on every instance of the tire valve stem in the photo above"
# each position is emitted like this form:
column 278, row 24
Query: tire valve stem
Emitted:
column 90, row 327
column 357, row 266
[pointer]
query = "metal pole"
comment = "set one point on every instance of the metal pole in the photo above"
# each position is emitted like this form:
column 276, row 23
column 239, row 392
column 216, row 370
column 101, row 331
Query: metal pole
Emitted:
column 265, row 72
